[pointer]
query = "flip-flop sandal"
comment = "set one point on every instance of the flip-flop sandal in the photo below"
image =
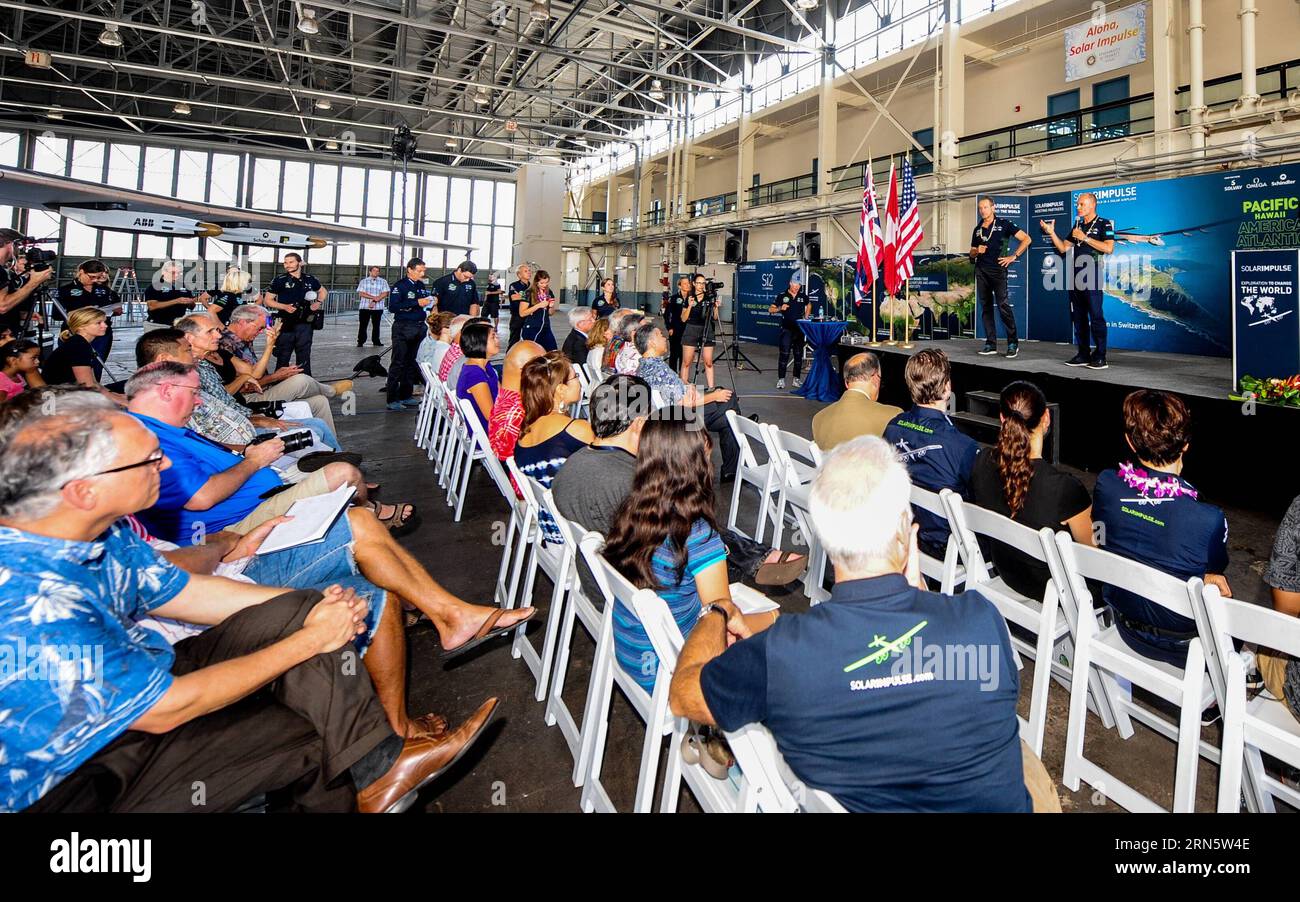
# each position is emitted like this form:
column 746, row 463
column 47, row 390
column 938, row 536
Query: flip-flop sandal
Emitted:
column 412, row 617
column 488, row 630
column 785, row 569
column 372, row 488
column 401, row 521
column 309, row 463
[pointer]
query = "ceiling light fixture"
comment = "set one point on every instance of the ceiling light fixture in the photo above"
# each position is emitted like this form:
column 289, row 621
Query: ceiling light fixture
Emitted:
column 331, row 145
column 182, row 108
column 806, row 5
column 110, row 37
column 323, row 103
column 540, row 10
column 450, row 142
column 656, row 90
column 481, row 97
column 307, row 23
column 55, row 113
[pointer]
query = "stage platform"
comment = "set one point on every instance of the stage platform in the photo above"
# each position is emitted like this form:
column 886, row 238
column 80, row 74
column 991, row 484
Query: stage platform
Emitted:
column 1230, row 442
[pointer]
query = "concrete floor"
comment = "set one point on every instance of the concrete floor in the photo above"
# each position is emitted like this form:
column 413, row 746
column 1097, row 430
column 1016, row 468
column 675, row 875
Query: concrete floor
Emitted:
column 525, row 766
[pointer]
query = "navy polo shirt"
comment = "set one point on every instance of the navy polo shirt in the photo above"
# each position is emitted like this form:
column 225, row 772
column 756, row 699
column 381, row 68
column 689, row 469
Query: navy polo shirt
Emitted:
column 454, row 297
column 1100, row 229
column 1156, row 518
column 938, row 456
column 521, row 288
column 887, row 697
column 73, row 297
column 194, row 460
column 404, row 300
column 796, row 311
column 293, row 290
column 997, row 240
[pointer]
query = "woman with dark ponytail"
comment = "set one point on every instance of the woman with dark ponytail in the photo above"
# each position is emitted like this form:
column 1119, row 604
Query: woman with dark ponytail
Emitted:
column 1015, row 481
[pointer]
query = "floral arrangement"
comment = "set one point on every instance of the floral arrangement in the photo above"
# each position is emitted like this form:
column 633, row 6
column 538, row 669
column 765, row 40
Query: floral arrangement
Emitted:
column 1273, row 391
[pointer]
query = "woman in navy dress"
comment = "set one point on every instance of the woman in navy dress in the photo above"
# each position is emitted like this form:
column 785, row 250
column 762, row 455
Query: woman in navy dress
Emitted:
column 536, row 311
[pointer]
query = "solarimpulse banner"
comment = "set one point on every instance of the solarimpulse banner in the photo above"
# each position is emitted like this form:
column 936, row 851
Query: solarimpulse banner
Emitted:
column 1168, row 285
column 757, row 285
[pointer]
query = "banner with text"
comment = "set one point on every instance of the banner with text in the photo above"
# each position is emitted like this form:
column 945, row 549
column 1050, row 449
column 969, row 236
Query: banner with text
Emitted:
column 757, row 285
column 1265, row 322
column 1106, row 41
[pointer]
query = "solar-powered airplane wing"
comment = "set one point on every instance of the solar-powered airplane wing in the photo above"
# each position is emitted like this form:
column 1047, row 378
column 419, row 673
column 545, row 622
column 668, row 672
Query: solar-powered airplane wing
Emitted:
column 1157, row 239
column 123, row 210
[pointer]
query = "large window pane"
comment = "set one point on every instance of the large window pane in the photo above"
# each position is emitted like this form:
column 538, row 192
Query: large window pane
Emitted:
column 192, row 176
column 159, row 167
column 505, row 204
column 435, row 199
column 295, row 187
column 9, row 148
column 224, row 189
column 482, row 202
column 185, row 249
column 124, row 165
column 153, row 247
column 116, row 244
column 379, row 193
column 481, row 237
column 459, row 211
column 353, row 193
column 502, row 247
column 78, row 240
column 324, row 188
column 50, row 155
column 88, row 161
column 412, row 195
column 266, row 184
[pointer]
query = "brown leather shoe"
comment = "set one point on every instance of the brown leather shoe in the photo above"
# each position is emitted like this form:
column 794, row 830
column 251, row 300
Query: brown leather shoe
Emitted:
column 428, row 724
column 423, row 758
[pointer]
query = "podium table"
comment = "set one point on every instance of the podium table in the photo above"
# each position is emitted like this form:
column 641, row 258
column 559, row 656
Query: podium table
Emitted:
column 822, row 382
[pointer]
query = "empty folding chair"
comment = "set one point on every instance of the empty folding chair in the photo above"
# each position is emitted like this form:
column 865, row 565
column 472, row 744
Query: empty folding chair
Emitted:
column 557, row 562
column 798, row 460
column 1186, row 688
column 424, row 418
column 949, row 572
column 1039, row 616
column 765, row 477
column 1251, row 727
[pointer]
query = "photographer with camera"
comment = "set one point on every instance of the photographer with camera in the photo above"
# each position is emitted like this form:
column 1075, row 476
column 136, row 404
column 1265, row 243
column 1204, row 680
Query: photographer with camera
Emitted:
column 701, row 327
column 17, row 287
column 299, row 301
column 90, row 289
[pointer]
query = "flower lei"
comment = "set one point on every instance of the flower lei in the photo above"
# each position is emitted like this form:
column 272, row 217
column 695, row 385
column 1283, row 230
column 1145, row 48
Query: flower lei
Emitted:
column 1154, row 486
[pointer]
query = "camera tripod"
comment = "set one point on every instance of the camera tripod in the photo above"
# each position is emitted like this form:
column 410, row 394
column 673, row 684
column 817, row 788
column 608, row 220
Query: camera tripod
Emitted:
column 731, row 353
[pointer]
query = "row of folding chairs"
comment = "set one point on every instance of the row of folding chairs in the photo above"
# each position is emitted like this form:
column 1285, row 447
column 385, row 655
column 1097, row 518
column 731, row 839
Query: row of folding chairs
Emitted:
column 443, row 429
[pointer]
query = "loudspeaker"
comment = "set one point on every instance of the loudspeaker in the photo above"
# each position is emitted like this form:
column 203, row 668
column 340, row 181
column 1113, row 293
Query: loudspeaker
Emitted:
column 693, row 253
column 735, row 247
column 810, row 248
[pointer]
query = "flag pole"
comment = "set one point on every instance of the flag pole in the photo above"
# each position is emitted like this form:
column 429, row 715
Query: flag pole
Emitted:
column 875, row 334
column 907, row 312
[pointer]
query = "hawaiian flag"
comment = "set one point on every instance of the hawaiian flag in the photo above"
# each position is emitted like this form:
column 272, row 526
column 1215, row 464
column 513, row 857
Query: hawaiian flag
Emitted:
column 903, row 230
column 871, row 243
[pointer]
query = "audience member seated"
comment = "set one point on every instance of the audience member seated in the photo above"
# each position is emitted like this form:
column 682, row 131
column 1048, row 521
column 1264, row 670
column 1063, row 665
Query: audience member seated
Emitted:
column 1151, row 514
column 857, row 412
column 439, row 341
column 1281, row 673
column 628, row 358
column 581, row 321
column 938, row 455
column 549, row 434
column 507, row 418
column 892, row 727
column 263, row 700
column 453, row 353
column 74, row 361
column 712, row 405
column 478, row 380
column 615, row 342
column 664, row 537
column 287, row 383
column 20, row 368
column 596, row 341
column 453, row 374
column 1014, row 481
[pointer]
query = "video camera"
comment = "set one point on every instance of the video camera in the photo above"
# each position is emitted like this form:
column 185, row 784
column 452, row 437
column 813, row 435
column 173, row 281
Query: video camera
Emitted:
column 712, row 286
column 38, row 258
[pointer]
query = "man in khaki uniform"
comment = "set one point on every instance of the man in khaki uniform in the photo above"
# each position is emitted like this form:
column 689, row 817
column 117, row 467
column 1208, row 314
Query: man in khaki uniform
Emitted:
column 858, row 412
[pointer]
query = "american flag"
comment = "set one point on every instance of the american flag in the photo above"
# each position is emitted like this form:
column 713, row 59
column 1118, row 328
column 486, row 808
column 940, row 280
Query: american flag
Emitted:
column 903, row 230
column 871, row 243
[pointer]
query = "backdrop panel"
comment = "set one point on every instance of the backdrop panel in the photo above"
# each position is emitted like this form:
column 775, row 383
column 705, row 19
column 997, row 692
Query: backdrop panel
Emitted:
column 757, row 285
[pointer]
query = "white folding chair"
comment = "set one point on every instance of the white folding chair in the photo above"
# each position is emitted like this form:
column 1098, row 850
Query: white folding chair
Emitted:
column 949, row 572
column 798, row 460
column 424, row 416
column 473, row 446
column 764, row 477
column 1039, row 616
column 1187, row 688
column 1254, row 727
column 436, row 427
column 557, row 562
column 580, row 407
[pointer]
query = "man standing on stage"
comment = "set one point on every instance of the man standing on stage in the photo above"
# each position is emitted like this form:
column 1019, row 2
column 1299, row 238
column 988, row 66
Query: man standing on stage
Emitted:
column 456, row 291
column 1092, row 238
column 988, row 244
column 791, row 307
column 517, row 294
column 409, row 302
column 298, row 299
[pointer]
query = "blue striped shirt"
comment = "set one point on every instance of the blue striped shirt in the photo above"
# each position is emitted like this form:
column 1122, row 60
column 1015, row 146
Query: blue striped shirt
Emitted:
column 632, row 646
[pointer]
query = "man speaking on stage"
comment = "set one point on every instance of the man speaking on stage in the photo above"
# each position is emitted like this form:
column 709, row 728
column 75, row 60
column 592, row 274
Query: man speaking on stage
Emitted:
column 988, row 243
column 1091, row 238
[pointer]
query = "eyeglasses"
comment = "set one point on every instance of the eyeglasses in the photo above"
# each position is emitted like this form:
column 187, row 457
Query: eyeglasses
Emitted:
column 194, row 388
column 153, row 460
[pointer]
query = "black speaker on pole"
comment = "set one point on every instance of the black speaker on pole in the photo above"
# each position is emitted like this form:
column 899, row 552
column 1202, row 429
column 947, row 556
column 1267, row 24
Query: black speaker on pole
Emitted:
column 735, row 248
column 810, row 248
column 693, row 253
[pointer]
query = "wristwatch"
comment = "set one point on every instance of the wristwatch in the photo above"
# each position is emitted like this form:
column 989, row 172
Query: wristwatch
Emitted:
column 714, row 606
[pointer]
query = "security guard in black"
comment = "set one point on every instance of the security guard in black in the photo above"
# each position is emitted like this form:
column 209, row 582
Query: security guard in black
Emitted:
column 409, row 303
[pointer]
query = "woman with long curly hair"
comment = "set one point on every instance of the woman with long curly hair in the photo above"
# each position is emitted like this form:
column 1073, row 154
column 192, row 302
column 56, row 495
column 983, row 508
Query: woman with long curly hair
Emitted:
column 1014, row 480
column 665, row 537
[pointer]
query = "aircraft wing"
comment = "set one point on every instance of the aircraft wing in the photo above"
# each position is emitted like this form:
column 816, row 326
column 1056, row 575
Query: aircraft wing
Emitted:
column 1121, row 234
column 121, row 209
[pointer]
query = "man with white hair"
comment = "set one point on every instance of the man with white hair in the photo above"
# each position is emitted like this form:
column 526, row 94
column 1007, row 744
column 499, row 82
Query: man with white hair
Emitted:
column 517, row 294
column 581, row 319
column 886, row 696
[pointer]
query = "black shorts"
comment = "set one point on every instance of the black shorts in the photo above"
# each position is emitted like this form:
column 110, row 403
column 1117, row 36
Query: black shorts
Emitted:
column 692, row 334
